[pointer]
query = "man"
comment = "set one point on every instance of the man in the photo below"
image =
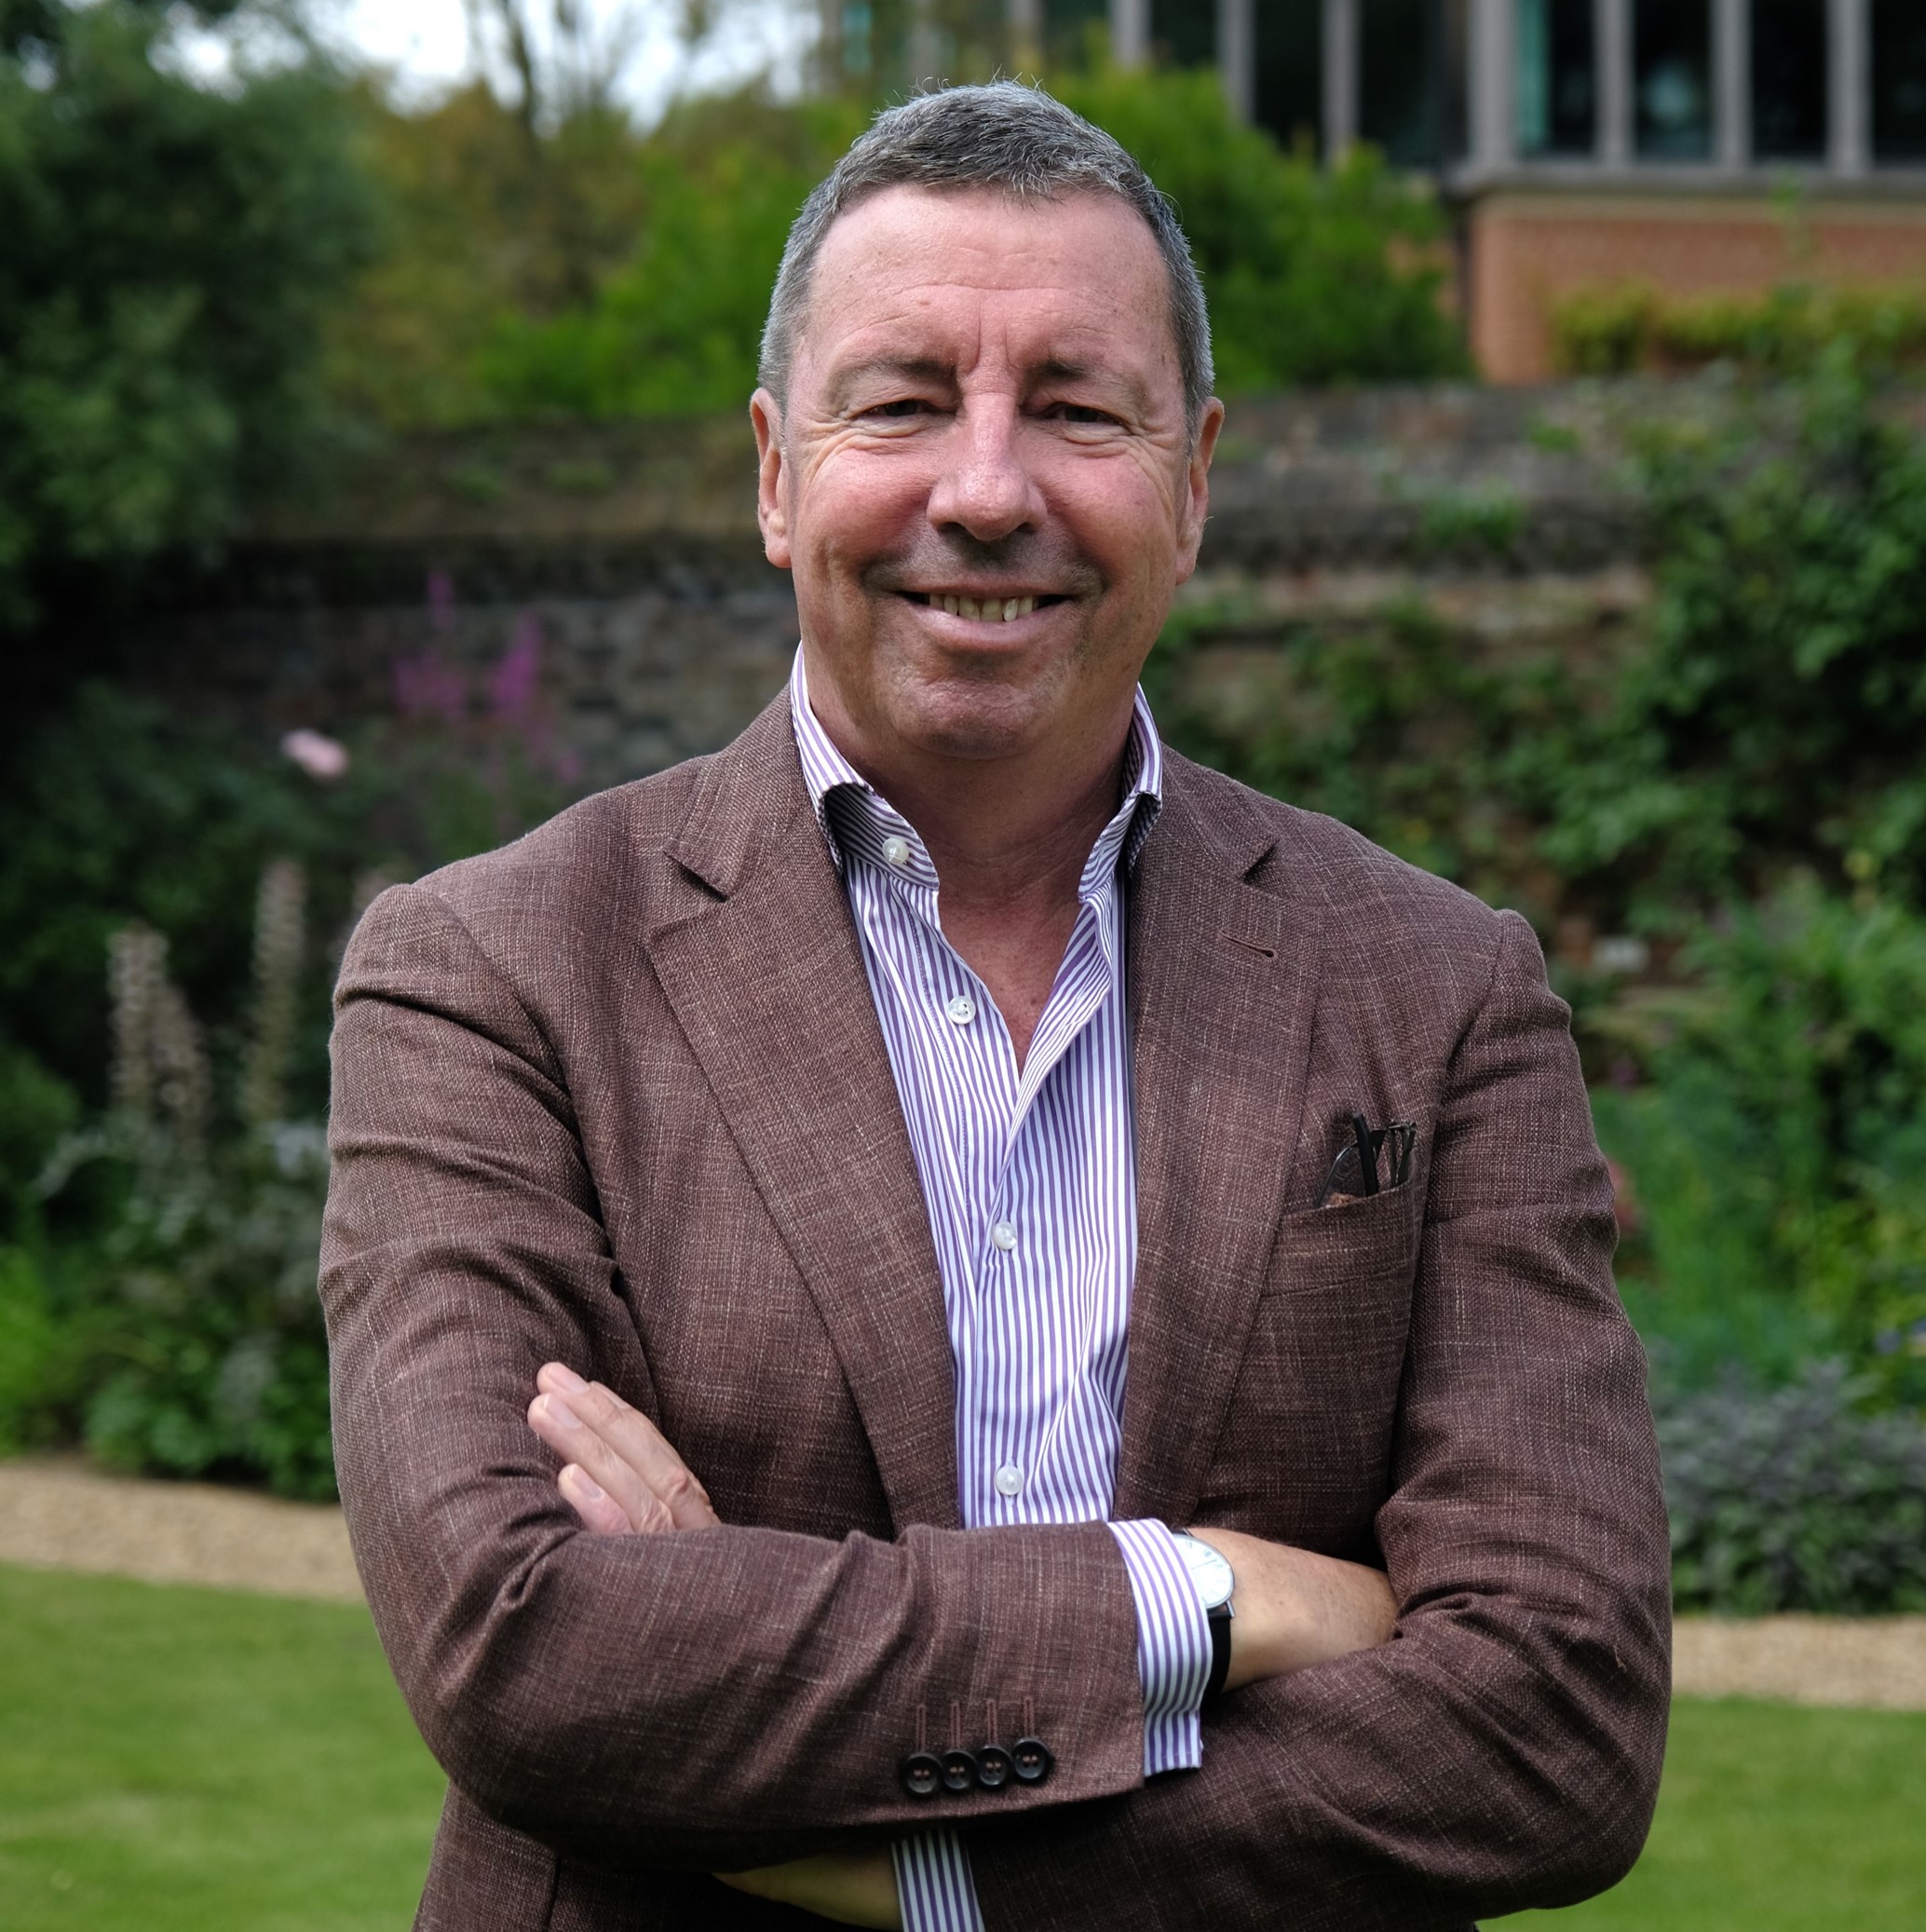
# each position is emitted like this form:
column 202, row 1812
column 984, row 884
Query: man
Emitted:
column 1070, row 1303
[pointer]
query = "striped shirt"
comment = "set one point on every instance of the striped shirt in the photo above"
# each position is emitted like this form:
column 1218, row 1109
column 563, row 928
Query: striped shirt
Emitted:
column 1030, row 1180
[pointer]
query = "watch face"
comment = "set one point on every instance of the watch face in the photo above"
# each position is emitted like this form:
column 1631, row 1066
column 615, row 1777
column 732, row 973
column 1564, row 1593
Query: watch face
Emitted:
column 1210, row 1570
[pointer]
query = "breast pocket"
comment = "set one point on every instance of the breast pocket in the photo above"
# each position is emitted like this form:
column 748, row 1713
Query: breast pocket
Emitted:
column 1305, row 1456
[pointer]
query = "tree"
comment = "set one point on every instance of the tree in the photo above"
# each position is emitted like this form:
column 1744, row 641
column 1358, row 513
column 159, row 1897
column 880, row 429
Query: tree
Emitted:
column 172, row 253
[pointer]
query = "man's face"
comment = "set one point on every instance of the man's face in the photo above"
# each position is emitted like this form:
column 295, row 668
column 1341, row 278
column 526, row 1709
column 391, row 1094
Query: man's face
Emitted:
column 982, row 480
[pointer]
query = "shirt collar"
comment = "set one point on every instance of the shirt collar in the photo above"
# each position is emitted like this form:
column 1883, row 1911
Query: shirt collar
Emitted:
column 857, row 819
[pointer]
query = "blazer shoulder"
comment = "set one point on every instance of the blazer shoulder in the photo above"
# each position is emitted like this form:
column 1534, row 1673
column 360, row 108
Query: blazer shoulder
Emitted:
column 1286, row 850
column 617, row 860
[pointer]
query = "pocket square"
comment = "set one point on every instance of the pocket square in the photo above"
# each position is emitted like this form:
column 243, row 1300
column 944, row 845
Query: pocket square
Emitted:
column 1373, row 1161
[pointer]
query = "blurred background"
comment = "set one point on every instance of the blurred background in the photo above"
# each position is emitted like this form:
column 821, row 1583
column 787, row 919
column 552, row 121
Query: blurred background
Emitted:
column 375, row 478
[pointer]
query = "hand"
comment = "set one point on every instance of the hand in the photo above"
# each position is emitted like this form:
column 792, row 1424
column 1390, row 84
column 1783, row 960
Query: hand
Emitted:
column 853, row 1889
column 1295, row 1607
column 619, row 1473
column 623, row 1478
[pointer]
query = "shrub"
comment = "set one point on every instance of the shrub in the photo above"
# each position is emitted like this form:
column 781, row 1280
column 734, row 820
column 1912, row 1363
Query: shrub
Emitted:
column 1618, row 328
column 1398, row 725
column 1773, row 718
column 186, row 1335
column 1779, row 1149
column 1794, row 1499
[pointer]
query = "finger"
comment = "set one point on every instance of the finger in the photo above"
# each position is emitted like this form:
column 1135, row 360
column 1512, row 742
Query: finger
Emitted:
column 639, row 1443
column 557, row 1423
column 598, row 1510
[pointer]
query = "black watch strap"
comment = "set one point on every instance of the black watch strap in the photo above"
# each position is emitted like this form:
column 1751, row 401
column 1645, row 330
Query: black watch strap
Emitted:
column 1220, row 1651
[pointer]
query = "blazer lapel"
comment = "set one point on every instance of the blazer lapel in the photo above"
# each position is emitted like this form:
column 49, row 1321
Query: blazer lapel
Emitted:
column 766, row 979
column 1223, row 982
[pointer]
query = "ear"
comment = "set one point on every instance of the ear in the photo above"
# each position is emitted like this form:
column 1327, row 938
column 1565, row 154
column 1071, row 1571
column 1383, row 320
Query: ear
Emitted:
column 1197, row 489
column 766, row 415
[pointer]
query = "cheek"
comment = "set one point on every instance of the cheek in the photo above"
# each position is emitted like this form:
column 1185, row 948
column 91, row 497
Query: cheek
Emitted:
column 1120, row 510
column 859, row 508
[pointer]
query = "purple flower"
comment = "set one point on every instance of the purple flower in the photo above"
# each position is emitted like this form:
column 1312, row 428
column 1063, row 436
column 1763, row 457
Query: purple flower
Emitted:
column 426, row 687
column 512, row 685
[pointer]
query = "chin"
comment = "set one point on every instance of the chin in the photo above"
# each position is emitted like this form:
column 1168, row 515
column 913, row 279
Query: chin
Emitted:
column 964, row 720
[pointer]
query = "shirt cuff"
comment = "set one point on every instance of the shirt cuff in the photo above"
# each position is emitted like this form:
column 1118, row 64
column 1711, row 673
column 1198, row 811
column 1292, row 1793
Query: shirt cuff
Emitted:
column 933, row 1886
column 1174, row 1645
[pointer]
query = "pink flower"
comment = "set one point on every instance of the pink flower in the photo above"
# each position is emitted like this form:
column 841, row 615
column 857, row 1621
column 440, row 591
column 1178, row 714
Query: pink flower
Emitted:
column 325, row 758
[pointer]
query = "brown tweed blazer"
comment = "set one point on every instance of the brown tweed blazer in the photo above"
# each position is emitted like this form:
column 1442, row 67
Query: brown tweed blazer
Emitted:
column 616, row 1094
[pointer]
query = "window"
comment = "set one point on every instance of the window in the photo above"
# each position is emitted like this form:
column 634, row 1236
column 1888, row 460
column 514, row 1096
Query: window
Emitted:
column 1671, row 78
column 1411, row 72
column 1788, row 80
column 1557, row 78
column 1899, row 81
column 1288, row 83
column 1184, row 32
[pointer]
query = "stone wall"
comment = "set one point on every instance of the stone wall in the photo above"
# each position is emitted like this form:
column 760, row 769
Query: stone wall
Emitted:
column 628, row 557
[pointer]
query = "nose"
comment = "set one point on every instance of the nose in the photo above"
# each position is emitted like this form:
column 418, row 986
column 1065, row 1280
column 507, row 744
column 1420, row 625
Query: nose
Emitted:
column 986, row 488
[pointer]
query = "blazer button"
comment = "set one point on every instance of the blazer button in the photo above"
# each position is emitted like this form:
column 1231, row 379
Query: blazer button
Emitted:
column 922, row 1772
column 1033, row 1760
column 958, row 1769
column 995, row 1767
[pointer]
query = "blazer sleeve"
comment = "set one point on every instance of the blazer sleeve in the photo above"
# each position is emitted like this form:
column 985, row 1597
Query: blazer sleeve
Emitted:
column 1503, row 1751
column 709, row 1699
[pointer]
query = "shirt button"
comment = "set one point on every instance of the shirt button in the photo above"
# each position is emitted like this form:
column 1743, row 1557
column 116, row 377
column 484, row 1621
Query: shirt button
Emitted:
column 897, row 851
column 1009, row 1479
column 1003, row 1237
column 962, row 1009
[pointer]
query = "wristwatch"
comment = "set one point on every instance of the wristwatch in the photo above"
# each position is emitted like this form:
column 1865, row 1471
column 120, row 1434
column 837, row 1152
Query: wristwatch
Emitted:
column 1215, row 1580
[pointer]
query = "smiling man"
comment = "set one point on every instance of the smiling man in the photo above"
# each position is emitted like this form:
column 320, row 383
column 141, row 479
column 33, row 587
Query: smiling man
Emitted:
column 944, row 1318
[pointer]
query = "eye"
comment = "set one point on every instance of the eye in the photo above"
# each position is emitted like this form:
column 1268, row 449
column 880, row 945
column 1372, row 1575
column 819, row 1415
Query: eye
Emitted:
column 901, row 407
column 1085, row 415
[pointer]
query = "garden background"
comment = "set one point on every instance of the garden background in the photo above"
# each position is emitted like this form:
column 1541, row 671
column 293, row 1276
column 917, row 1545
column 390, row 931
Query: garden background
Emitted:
column 1649, row 662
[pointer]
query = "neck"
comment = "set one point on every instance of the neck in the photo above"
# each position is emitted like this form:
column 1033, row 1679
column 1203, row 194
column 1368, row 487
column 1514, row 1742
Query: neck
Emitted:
column 1009, row 839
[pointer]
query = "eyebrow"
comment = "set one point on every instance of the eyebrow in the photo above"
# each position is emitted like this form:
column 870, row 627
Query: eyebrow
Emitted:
column 933, row 369
column 929, row 369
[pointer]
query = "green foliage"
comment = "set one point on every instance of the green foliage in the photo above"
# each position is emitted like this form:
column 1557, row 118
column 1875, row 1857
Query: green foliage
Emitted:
column 1780, row 1147
column 1774, row 719
column 594, row 271
column 171, row 255
column 1618, row 328
column 675, row 330
column 158, row 1300
column 193, row 1337
column 31, row 1348
column 1314, row 275
column 1398, row 725
column 1794, row 1500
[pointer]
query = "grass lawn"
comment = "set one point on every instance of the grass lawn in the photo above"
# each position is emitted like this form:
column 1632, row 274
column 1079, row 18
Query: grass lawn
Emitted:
column 199, row 1761
column 1775, row 1819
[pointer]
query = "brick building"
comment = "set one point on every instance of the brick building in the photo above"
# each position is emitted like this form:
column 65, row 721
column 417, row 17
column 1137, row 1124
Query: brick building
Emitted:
column 1585, row 142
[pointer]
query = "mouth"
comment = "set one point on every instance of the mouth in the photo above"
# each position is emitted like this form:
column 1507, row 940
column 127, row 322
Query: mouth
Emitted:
column 984, row 610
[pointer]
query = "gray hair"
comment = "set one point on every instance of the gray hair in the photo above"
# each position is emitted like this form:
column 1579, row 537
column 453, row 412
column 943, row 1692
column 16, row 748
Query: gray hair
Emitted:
column 1007, row 136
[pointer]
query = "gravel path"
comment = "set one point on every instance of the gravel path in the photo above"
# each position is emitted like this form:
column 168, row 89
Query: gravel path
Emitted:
column 58, row 1514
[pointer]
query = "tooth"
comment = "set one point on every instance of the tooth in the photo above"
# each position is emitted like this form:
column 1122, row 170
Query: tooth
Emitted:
column 949, row 605
column 1025, row 605
column 969, row 607
column 1009, row 609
